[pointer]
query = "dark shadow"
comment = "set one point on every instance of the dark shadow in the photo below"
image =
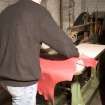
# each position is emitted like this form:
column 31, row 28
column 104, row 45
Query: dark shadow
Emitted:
column 102, row 78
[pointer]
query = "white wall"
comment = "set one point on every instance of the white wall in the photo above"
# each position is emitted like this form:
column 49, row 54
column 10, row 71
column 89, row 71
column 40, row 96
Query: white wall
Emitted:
column 93, row 5
column 77, row 8
column 5, row 3
column 54, row 8
column 89, row 5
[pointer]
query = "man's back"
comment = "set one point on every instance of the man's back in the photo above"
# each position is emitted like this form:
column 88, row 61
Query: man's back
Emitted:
column 23, row 26
column 19, row 42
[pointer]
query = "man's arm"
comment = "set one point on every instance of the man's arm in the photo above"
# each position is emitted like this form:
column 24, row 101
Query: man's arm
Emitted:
column 56, row 38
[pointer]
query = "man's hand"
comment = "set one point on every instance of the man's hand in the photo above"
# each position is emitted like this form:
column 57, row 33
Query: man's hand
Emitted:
column 79, row 67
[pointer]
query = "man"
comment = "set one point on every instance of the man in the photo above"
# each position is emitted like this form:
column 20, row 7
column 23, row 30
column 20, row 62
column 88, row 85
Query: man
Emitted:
column 23, row 27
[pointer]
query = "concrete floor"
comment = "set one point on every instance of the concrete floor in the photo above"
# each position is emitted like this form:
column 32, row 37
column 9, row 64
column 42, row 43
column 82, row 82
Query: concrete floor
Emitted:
column 96, row 100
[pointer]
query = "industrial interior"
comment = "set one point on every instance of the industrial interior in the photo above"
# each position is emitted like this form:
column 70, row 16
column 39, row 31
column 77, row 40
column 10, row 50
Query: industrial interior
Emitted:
column 84, row 22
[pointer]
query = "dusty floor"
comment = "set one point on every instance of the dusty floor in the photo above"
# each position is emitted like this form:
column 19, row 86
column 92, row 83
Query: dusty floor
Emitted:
column 95, row 101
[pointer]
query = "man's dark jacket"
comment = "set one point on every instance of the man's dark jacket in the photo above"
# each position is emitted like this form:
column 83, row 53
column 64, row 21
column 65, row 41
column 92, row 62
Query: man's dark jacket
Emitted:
column 23, row 26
